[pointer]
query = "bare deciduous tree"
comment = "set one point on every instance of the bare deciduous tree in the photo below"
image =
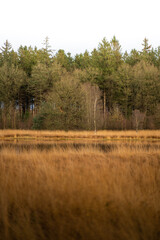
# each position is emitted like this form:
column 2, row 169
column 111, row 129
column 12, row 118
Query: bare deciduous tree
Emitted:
column 138, row 119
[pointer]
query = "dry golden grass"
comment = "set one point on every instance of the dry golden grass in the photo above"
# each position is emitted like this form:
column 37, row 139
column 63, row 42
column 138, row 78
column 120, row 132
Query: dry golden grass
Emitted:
column 31, row 134
column 81, row 194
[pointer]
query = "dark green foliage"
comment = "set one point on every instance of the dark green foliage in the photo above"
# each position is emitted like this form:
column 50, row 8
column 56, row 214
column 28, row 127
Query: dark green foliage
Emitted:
column 157, row 117
column 38, row 84
column 122, row 93
column 82, row 61
column 5, row 52
column 27, row 59
column 133, row 57
column 64, row 107
column 65, row 60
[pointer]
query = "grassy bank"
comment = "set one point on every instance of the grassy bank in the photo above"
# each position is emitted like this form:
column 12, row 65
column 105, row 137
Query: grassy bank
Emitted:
column 100, row 135
column 82, row 194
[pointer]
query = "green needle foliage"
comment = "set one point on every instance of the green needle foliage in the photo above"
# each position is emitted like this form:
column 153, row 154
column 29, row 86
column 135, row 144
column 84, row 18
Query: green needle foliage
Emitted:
column 41, row 88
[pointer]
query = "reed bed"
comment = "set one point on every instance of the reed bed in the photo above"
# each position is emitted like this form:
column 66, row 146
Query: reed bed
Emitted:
column 41, row 135
column 83, row 194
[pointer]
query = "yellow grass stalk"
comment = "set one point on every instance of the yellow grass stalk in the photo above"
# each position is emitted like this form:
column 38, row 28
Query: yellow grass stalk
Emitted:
column 82, row 194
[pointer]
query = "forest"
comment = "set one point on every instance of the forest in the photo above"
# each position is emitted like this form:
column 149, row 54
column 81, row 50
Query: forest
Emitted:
column 102, row 89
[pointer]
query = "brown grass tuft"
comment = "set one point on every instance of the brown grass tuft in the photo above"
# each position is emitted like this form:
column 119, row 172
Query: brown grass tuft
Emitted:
column 81, row 194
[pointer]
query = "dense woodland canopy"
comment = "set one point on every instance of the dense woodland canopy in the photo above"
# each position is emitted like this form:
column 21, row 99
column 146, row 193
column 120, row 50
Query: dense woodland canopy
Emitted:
column 104, row 89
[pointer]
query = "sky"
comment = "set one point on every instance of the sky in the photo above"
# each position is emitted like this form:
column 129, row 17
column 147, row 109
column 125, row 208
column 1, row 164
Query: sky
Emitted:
column 76, row 26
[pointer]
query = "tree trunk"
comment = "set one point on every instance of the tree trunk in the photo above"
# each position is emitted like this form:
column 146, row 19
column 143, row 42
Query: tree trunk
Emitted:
column 4, row 119
column 104, row 108
column 95, row 107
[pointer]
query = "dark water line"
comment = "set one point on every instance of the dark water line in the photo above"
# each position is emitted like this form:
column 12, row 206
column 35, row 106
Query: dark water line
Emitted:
column 105, row 147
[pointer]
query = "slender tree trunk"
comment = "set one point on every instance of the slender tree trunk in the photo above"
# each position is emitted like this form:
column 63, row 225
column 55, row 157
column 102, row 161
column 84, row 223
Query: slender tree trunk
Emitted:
column 104, row 107
column 4, row 119
column 95, row 108
column 137, row 125
column 14, row 119
column 126, row 111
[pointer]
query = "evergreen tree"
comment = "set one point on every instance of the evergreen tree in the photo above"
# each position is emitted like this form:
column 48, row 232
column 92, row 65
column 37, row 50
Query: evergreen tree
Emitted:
column 64, row 107
column 146, row 51
column 106, row 59
column 46, row 52
column 82, row 61
column 146, row 47
column 116, row 51
column 27, row 59
column 11, row 78
column 5, row 52
column 65, row 60
column 145, row 87
column 123, row 79
column 133, row 57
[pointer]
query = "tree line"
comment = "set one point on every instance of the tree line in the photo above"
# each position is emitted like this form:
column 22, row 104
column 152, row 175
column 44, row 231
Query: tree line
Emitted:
column 104, row 89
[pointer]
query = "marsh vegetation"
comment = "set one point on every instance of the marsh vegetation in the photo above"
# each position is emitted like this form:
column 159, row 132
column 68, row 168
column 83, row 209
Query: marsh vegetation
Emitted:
column 79, row 190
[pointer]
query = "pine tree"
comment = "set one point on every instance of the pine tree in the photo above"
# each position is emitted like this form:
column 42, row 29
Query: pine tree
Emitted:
column 146, row 46
column 5, row 51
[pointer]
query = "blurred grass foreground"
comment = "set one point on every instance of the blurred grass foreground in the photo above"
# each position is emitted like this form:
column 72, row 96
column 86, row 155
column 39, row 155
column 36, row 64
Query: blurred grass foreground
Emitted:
column 80, row 194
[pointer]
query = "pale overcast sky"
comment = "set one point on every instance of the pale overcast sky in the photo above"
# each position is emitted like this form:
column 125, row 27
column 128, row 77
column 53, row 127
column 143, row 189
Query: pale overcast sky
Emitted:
column 75, row 25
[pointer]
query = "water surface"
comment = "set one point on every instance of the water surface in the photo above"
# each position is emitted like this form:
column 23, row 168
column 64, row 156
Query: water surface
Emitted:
column 105, row 146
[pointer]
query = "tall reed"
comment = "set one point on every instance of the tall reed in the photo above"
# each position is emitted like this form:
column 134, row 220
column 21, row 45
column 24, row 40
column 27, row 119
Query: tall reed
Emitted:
column 83, row 194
